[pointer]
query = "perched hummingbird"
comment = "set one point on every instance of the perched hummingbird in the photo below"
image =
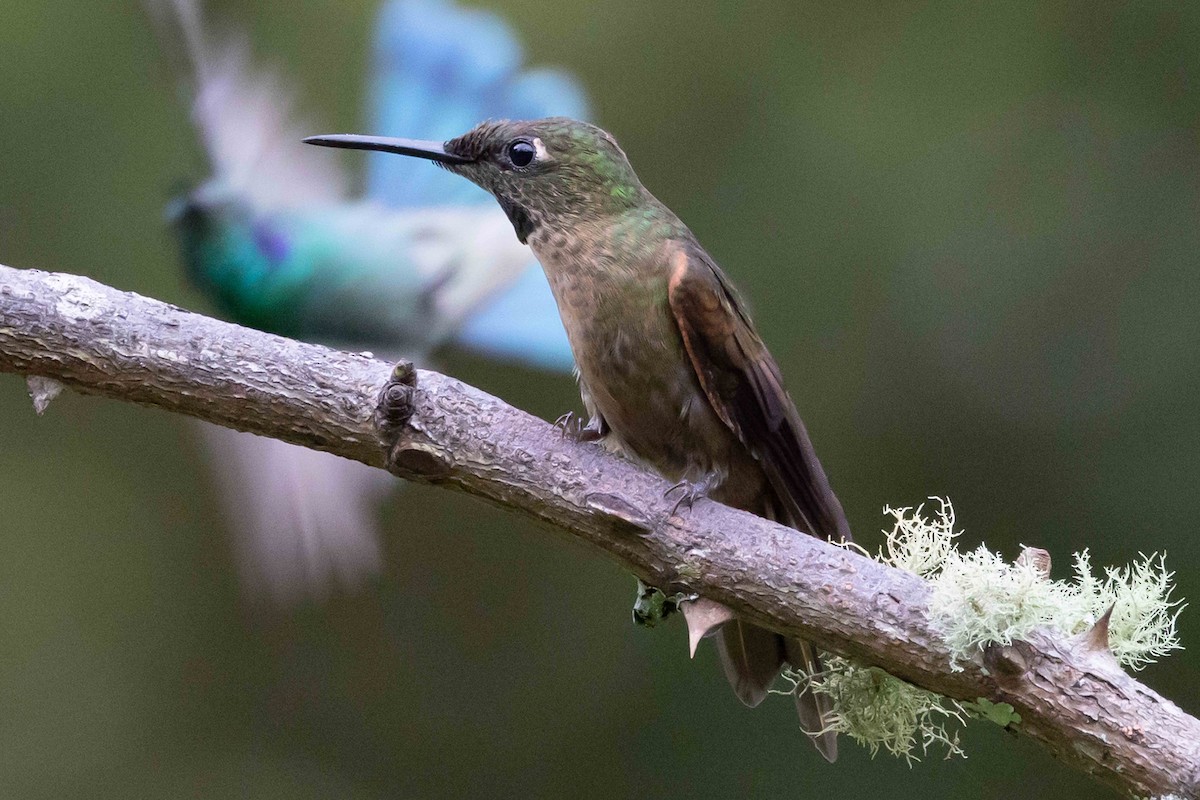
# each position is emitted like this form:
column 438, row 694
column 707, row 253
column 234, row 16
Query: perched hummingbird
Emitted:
column 671, row 370
column 274, row 237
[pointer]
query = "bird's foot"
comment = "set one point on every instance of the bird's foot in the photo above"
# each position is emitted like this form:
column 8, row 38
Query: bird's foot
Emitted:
column 690, row 492
column 652, row 606
column 573, row 427
column 393, row 411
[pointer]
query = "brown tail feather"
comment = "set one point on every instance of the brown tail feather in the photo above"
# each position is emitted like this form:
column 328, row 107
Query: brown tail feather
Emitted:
column 751, row 658
column 815, row 709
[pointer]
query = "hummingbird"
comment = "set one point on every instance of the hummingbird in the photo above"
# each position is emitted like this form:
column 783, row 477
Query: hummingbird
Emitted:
column 276, row 238
column 671, row 370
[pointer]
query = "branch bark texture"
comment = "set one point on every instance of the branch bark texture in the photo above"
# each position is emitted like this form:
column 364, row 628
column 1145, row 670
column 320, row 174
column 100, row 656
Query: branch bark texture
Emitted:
column 99, row 340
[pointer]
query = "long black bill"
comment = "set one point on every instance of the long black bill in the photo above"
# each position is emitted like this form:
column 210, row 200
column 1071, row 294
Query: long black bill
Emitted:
column 434, row 151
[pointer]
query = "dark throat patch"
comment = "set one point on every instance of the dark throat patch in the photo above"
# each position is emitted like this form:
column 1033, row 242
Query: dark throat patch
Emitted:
column 522, row 223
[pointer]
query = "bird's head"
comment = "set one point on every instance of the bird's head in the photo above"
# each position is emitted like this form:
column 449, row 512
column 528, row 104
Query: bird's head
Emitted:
column 542, row 172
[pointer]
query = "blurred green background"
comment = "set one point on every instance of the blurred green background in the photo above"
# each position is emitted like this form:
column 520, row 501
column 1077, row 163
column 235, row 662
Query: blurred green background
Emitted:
column 968, row 235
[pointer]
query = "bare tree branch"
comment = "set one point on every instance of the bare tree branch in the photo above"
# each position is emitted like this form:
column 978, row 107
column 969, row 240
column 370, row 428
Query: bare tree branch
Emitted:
column 102, row 341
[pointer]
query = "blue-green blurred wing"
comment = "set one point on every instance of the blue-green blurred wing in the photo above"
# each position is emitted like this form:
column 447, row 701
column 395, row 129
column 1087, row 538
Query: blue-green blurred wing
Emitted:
column 441, row 69
column 521, row 323
column 274, row 240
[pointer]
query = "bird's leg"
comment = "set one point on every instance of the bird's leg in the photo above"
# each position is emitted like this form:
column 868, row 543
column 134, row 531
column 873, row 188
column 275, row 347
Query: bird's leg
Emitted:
column 572, row 426
column 691, row 491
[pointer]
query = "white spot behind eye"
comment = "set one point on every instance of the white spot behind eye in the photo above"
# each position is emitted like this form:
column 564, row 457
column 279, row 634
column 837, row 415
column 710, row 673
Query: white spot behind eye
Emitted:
column 539, row 149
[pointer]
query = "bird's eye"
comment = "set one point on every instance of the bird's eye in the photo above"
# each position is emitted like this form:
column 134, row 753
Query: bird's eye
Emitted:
column 521, row 153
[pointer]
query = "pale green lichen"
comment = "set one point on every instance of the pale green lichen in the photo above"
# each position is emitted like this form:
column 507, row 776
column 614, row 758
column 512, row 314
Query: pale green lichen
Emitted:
column 977, row 599
column 651, row 605
column 880, row 711
column 1143, row 624
column 919, row 544
column 1001, row 714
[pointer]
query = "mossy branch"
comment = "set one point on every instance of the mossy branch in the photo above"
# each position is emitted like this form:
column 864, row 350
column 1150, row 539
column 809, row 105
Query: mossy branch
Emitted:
column 98, row 340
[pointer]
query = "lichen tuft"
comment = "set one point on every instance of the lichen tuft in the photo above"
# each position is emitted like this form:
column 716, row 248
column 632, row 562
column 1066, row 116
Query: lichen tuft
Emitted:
column 979, row 599
column 880, row 711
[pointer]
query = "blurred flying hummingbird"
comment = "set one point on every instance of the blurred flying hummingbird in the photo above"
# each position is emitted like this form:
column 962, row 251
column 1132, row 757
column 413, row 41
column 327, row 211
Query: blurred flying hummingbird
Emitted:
column 671, row 370
column 425, row 259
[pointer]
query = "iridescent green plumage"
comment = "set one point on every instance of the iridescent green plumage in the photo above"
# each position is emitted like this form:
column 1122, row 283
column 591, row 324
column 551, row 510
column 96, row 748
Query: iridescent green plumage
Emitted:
column 670, row 367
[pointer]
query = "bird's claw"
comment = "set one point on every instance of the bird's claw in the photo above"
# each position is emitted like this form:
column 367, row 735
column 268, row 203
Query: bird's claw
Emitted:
column 572, row 426
column 569, row 424
column 689, row 493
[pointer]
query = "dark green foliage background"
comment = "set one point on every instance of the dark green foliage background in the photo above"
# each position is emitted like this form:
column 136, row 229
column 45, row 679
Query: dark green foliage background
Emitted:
column 969, row 236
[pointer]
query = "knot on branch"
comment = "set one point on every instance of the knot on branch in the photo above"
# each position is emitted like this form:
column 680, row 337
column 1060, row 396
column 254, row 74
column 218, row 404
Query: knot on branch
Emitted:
column 394, row 407
column 416, row 463
column 393, row 412
column 1008, row 663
